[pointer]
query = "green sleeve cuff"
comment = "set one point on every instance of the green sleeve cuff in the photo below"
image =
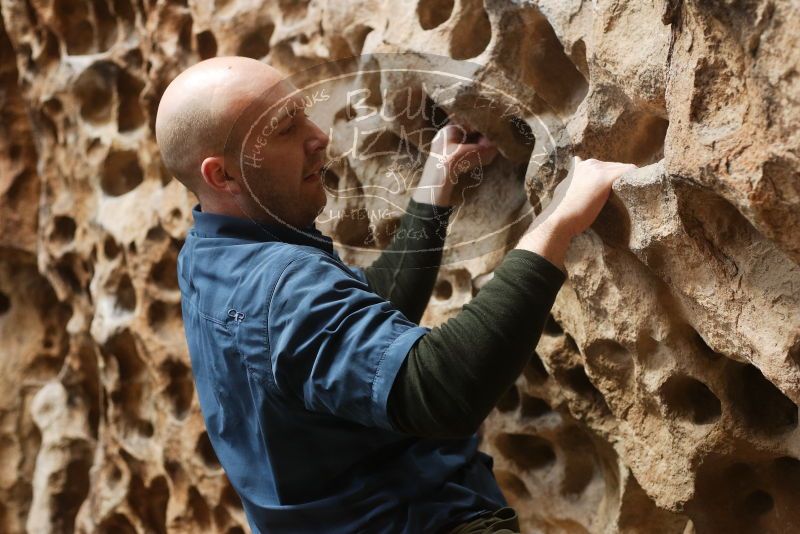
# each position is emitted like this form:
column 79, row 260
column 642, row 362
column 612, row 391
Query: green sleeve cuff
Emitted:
column 429, row 211
column 531, row 275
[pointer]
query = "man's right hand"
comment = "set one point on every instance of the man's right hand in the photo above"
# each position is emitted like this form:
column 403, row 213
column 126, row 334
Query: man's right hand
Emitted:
column 578, row 199
column 576, row 203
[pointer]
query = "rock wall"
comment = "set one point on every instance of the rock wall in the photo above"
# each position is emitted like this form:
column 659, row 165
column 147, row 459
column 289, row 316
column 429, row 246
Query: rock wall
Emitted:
column 663, row 394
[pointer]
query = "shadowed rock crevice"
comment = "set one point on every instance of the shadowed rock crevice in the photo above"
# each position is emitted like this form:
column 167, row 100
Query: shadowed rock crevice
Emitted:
column 63, row 229
column 165, row 320
column 533, row 407
column 73, row 23
column 95, row 91
column 545, row 66
column 758, row 403
column 206, row 451
column 121, row 173
column 150, row 502
column 579, row 465
column 206, row 44
column 747, row 497
column 130, row 114
column 535, row 371
column 528, row 452
column 434, row 12
column 688, row 399
column 130, row 394
column 256, row 43
column 180, row 388
column 472, row 31
column 509, row 401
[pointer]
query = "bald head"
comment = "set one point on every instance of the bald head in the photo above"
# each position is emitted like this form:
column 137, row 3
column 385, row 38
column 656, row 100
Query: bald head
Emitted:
column 199, row 107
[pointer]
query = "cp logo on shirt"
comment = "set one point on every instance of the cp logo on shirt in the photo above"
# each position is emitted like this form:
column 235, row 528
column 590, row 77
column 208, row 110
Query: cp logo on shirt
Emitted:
column 236, row 315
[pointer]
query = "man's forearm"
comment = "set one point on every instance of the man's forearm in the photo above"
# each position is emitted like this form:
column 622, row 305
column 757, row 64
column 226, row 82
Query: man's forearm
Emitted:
column 548, row 239
column 435, row 186
column 406, row 270
column 456, row 373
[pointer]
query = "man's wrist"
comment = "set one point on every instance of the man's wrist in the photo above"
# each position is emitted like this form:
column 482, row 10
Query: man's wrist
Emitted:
column 549, row 239
column 435, row 185
column 428, row 210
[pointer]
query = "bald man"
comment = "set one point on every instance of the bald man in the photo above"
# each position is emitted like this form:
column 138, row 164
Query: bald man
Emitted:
column 330, row 409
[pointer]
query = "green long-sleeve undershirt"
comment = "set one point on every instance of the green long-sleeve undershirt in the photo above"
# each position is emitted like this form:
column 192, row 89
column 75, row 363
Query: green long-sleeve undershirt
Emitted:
column 406, row 271
column 455, row 374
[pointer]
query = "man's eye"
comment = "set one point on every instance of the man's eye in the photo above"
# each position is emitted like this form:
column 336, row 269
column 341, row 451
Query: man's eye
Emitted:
column 289, row 129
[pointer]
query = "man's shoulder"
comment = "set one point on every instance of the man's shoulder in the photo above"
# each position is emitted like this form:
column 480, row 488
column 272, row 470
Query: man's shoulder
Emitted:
column 246, row 262
column 301, row 261
column 291, row 264
column 278, row 254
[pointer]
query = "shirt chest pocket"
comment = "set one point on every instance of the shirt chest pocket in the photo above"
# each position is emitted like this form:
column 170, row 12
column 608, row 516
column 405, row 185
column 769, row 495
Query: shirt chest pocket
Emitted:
column 223, row 362
column 224, row 329
column 243, row 342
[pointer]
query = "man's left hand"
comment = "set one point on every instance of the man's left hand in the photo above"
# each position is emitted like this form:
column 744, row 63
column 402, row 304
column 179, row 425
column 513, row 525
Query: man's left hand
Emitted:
column 456, row 149
column 460, row 149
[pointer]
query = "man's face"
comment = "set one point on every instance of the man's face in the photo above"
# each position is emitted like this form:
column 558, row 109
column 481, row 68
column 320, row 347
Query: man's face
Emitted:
column 281, row 159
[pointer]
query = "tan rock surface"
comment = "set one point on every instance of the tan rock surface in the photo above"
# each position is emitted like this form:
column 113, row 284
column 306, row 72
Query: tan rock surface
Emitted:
column 662, row 397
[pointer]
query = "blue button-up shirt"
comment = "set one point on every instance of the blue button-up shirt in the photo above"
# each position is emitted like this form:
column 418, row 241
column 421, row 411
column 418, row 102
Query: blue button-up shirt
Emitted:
column 293, row 359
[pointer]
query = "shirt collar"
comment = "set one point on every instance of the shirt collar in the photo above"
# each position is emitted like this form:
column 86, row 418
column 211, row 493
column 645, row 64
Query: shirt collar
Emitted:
column 216, row 225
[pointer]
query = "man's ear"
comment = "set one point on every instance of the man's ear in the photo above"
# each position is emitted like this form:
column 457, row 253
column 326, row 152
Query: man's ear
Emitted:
column 214, row 175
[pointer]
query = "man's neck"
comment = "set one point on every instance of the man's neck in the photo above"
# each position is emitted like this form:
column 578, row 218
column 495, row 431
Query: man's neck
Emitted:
column 232, row 209
column 221, row 209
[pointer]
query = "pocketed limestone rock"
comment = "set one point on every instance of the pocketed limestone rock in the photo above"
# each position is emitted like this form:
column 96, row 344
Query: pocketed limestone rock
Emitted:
column 662, row 395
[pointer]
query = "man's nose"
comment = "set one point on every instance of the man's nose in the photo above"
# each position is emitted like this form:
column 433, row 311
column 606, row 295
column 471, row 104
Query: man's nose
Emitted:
column 318, row 141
